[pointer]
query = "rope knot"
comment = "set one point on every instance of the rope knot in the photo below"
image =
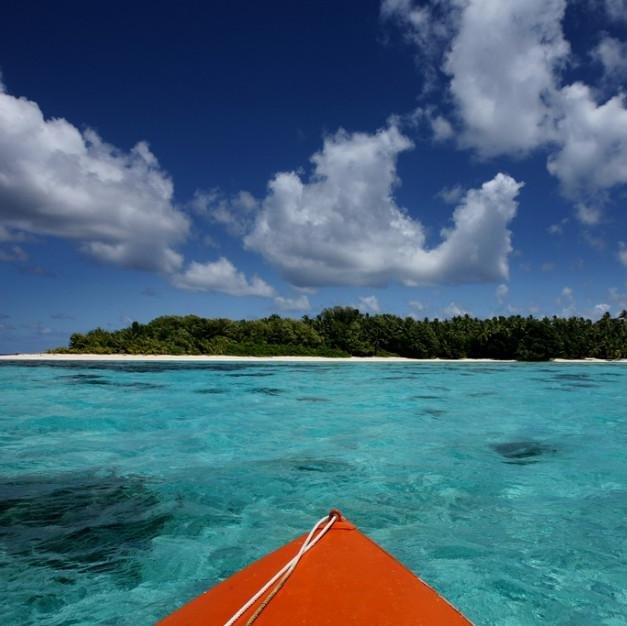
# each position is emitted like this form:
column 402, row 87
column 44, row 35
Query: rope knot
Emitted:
column 337, row 513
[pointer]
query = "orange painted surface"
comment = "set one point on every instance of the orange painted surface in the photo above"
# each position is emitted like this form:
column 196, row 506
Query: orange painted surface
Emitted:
column 344, row 579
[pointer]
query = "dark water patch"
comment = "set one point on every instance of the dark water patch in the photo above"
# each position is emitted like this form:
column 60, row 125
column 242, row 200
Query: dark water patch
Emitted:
column 480, row 394
column 80, row 523
column 210, row 391
column 563, row 376
column 523, row 452
column 249, row 374
column 426, row 397
column 433, row 412
column 312, row 399
column 307, row 464
column 94, row 379
column 580, row 386
column 140, row 385
column 399, row 377
column 268, row 391
column 312, row 367
column 84, row 379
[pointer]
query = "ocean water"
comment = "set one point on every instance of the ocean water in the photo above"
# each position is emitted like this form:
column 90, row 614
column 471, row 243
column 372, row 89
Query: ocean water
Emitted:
column 127, row 489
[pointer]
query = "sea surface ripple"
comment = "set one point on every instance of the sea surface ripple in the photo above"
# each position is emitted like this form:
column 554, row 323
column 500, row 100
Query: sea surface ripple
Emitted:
column 128, row 488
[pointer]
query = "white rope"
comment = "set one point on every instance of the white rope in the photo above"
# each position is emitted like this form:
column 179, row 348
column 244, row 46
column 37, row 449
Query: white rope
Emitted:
column 288, row 567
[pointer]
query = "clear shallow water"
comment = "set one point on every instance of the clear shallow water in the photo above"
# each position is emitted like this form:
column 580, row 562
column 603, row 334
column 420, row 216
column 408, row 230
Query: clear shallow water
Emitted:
column 127, row 489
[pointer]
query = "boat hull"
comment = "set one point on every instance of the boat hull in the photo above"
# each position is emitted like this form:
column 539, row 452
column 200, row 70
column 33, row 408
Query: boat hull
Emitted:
column 345, row 579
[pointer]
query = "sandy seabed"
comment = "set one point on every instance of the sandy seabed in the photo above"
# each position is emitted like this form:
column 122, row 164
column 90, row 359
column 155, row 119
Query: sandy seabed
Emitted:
column 278, row 359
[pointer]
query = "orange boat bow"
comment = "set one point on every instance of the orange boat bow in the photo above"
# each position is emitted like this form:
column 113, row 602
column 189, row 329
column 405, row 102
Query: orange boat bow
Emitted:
column 345, row 579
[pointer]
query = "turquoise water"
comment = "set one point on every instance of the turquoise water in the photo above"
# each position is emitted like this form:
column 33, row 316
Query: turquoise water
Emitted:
column 127, row 489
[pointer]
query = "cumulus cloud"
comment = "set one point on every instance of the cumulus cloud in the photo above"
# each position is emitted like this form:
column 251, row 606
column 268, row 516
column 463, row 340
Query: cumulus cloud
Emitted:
column 588, row 215
column 616, row 9
column 427, row 26
column 440, row 128
column 612, row 55
column 222, row 276
column 369, row 304
column 301, row 303
column 453, row 310
column 343, row 226
column 118, row 206
column 56, row 180
column 593, row 142
column 503, row 65
column 451, row 195
column 235, row 213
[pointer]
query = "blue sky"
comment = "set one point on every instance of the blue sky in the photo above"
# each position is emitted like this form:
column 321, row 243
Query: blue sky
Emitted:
column 242, row 159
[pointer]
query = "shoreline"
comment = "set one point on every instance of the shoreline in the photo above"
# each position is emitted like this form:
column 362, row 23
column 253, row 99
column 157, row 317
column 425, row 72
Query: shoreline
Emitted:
column 276, row 359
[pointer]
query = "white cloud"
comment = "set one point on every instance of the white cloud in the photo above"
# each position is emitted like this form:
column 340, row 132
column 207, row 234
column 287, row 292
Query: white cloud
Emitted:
column 369, row 304
column 343, row 226
column 452, row 310
column 501, row 293
column 441, row 129
column 301, row 303
column 567, row 292
column 612, row 55
column 622, row 253
column 427, row 26
column 452, row 195
column 601, row 309
column 593, row 143
column 616, row 9
column 222, row 276
column 588, row 215
column 558, row 229
column 416, row 306
column 235, row 214
column 502, row 67
column 503, row 63
column 56, row 180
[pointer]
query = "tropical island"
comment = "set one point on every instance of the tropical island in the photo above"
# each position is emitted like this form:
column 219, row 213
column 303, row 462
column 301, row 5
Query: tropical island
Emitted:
column 346, row 331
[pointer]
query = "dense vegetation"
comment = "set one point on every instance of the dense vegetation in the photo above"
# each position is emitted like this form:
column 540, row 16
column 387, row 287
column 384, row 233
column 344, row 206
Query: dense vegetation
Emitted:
column 343, row 331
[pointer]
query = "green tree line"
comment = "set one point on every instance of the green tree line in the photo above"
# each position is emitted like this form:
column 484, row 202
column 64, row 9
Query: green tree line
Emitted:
column 345, row 331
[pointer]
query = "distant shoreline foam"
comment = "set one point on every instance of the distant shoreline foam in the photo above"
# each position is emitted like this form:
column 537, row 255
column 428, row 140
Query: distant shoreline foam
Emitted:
column 276, row 359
